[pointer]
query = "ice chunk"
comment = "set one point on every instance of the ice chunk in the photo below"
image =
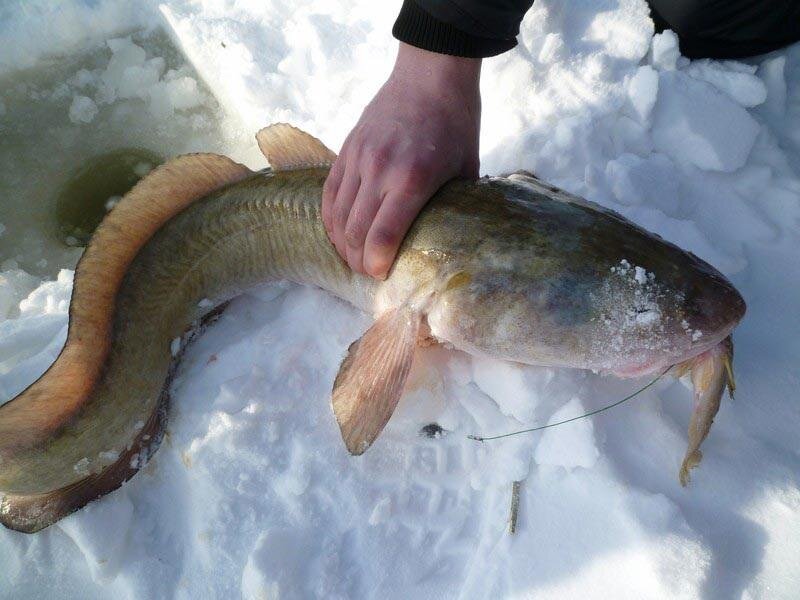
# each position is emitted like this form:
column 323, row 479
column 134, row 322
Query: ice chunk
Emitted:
column 744, row 87
column 652, row 181
column 624, row 34
column 508, row 384
column 125, row 55
column 694, row 122
column 570, row 445
column 181, row 93
column 642, row 91
column 82, row 110
column 52, row 297
column 771, row 72
column 84, row 78
column 631, row 135
column 143, row 168
column 136, row 80
column 14, row 286
column 665, row 50
column 112, row 202
column 129, row 74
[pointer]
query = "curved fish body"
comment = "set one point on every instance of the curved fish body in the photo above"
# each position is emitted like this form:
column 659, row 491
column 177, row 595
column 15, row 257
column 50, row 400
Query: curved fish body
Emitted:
column 507, row 267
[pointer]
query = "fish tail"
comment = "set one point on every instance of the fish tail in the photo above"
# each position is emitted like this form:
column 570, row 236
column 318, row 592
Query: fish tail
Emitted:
column 711, row 373
column 35, row 488
column 29, row 513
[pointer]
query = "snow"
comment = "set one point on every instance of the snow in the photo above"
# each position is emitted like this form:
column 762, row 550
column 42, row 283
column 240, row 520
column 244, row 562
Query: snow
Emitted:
column 130, row 74
column 578, row 449
column 252, row 494
column 735, row 79
column 695, row 123
column 665, row 51
column 82, row 110
column 643, row 90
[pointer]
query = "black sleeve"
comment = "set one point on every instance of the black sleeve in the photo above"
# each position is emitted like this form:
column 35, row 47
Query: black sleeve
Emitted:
column 471, row 28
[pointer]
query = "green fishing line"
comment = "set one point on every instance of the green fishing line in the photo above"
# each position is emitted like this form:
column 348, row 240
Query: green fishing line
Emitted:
column 583, row 416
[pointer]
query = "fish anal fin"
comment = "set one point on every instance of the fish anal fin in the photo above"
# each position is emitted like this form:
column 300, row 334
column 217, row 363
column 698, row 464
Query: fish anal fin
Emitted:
column 288, row 148
column 372, row 377
column 49, row 403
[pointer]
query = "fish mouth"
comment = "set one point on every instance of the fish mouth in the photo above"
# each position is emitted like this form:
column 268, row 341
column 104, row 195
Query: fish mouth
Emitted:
column 718, row 312
column 710, row 317
column 660, row 363
column 714, row 315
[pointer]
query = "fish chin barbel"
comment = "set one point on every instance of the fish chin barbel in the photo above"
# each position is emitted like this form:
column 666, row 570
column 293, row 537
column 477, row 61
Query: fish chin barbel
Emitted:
column 507, row 267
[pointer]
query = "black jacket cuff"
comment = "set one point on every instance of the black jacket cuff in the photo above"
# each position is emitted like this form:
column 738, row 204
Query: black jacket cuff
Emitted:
column 418, row 28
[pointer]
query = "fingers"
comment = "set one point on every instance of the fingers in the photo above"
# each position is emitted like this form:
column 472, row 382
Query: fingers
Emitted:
column 362, row 214
column 392, row 221
column 345, row 197
column 329, row 191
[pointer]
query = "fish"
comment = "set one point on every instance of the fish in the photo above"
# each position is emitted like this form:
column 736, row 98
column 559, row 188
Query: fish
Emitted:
column 508, row 267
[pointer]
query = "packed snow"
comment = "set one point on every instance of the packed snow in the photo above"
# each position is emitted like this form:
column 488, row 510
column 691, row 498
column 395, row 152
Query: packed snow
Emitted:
column 252, row 492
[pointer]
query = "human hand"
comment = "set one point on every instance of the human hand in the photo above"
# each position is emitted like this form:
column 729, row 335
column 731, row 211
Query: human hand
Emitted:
column 419, row 131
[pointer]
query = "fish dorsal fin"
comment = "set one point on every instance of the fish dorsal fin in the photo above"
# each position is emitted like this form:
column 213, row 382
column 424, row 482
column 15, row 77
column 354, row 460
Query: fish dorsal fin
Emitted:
column 288, row 148
column 50, row 402
column 372, row 377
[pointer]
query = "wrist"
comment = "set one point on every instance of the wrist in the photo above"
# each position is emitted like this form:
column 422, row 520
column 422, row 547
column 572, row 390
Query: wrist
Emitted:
column 437, row 71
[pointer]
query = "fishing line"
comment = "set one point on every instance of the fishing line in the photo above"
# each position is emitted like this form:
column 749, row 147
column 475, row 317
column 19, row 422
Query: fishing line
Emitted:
column 479, row 438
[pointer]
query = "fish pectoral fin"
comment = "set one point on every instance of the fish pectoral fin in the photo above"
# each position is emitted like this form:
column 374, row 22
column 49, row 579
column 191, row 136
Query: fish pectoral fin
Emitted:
column 372, row 377
column 288, row 148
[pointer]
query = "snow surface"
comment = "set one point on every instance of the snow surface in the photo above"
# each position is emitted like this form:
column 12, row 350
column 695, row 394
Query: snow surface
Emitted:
column 252, row 493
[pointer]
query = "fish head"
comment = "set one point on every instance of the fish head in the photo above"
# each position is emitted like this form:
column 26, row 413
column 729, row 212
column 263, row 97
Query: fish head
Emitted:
column 567, row 283
column 623, row 321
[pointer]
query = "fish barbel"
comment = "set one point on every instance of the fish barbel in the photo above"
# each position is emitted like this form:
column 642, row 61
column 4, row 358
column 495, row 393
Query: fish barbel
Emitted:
column 507, row 267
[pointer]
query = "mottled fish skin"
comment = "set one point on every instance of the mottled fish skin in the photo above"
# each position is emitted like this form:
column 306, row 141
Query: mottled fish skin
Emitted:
column 504, row 267
column 266, row 227
column 548, row 278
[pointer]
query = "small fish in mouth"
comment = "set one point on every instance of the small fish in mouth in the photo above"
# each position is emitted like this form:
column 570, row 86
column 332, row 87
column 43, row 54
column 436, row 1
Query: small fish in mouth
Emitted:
column 507, row 267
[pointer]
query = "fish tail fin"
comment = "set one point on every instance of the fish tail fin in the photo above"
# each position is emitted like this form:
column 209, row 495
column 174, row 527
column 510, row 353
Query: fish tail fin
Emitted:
column 29, row 513
column 711, row 373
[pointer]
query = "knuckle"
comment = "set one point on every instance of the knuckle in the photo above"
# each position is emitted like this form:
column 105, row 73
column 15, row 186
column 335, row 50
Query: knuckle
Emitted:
column 384, row 238
column 418, row 172
column 354, row 235
column 379, row 157
column 340, row 215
